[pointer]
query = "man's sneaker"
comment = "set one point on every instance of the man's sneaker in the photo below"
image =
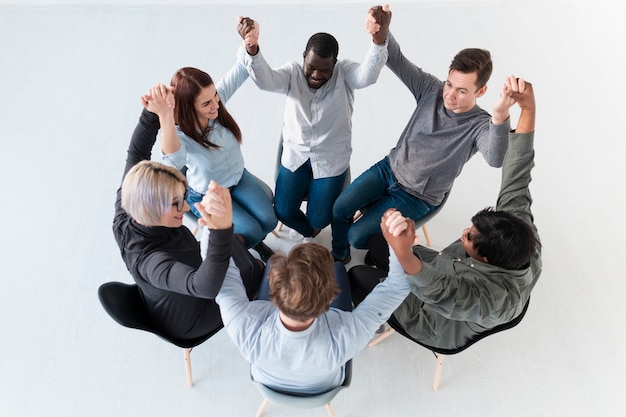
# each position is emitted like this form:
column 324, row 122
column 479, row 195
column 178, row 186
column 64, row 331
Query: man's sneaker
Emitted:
column 344, row 261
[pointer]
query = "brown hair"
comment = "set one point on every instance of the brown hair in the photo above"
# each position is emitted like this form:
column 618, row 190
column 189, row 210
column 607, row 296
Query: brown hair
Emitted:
column 187, row 83
column 475, row 60
column 302, row 284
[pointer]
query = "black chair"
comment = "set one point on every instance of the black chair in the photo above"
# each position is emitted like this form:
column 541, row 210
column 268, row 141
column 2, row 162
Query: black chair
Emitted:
column 124, row 304
column 440, row 353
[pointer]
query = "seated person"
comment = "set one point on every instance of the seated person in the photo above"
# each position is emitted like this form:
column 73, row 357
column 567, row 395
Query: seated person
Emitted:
column 201, row 135
column 297, row 341
column 161, row 254
column 485, row 278
column 317, row 130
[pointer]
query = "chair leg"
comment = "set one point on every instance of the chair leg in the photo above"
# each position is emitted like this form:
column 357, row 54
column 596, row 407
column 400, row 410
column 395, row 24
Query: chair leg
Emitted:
column 330, row 410
column 187, row 356
column 426, row 234
column 381, row 337
column 438, row 370
column 259, row 413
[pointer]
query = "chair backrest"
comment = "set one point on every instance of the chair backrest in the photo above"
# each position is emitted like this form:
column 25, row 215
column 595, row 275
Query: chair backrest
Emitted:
column 124, row 304
column 505, row 326
column 301, row 400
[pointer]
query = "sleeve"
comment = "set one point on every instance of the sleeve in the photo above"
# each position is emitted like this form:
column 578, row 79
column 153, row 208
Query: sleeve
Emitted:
column 234, row 78
column 268, row 79
column 165, row 272
column 515, row 194
column 177, row 159
column 140, row 147
column 493, row 142
column 366, row 73
column 413, row 77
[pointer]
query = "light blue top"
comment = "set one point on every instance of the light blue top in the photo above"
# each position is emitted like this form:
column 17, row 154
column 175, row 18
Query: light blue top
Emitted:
column 225, row 164
column 310, row 361
column 318, row 122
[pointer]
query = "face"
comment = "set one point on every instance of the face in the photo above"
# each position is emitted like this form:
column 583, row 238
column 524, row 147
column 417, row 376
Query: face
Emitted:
column 317, row 71
column 207, row 104
column 174, row 216
column 459, row 91
column 468, row 244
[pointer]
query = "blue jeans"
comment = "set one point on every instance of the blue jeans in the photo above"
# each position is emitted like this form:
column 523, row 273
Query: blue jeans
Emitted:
column 373, row 192
column 292, row 188
column 343, row 300
column 253, row 214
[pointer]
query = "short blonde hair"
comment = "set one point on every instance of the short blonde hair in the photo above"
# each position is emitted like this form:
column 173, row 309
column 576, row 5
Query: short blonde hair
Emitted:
column 302, row 284
column 148, row 190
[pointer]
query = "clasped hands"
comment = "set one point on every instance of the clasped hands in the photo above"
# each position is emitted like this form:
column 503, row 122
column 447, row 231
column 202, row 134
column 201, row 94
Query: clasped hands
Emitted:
column 216, row 207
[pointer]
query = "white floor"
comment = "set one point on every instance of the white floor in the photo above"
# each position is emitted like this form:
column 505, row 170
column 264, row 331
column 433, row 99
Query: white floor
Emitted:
column 70, row 81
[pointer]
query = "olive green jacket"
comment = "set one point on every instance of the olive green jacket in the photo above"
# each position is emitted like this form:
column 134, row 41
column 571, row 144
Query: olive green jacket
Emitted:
column 455, row 297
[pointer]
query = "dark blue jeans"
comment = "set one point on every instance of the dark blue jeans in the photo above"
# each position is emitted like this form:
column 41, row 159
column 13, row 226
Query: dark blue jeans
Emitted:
column 343, row 300
column 292, row 188
column 373, row 192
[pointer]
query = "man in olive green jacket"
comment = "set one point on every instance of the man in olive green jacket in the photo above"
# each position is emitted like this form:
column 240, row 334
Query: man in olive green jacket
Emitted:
column 485, row 278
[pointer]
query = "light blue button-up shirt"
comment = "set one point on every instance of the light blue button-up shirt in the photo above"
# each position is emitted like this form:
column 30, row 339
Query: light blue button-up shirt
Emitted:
column 318, row 123
column 224, row 164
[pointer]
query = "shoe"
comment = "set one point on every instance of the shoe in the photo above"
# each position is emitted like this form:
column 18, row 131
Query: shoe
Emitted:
column 344, row 261
column 264, row 251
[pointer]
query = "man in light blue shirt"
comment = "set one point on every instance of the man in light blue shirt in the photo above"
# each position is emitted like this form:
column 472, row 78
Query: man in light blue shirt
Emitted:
column 298, row 341
column 317, row 130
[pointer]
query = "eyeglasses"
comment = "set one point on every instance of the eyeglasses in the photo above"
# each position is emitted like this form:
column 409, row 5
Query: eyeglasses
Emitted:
column 180, row 203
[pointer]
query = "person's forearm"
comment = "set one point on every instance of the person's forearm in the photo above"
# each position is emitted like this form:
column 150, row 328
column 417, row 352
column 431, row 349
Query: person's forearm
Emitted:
column 526, row 122
column 169, row 138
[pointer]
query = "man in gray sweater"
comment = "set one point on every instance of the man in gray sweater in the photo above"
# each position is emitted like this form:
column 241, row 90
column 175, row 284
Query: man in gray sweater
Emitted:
column 446, row 129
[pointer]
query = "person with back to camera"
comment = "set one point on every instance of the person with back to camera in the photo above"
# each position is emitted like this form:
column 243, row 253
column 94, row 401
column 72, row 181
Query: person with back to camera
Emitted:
column 317, row 127
column 445, row 130
column 485, row 278
column 206, row 140
column 300, row 332
column 161, row 254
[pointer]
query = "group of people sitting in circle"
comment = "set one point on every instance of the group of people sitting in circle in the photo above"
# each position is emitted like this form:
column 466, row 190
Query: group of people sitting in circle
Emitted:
column 298, row 318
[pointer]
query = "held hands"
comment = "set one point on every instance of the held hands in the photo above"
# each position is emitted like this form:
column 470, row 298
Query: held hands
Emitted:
column 377, row 23
column 399, row 232
column 248, row 29
column 159, row 100
column 216, row 208
column 506, row 100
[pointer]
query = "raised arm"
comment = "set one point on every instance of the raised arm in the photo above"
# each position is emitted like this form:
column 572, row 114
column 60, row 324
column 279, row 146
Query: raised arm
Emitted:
column 160, row 100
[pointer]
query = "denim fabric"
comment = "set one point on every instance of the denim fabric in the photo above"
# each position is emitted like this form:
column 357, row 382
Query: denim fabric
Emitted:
column 292, row 188
column 343, row 300
column 253, row 214
column 373, row 192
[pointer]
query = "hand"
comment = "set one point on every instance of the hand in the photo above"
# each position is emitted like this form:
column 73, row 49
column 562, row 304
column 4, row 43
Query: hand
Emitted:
column 377, row 23
column 506, row 100
column 399, row 232
column 248, row 29
column 521, row 92
column 160, row 100
column 216, row 208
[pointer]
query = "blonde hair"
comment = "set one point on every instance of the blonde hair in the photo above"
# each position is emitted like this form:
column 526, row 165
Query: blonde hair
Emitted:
column 302, row 284
column 148, row 190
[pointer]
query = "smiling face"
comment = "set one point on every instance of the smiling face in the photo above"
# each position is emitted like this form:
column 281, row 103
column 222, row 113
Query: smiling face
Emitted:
column 317, row 70
column 207, row 104
column 174, row 216
column 460, row 93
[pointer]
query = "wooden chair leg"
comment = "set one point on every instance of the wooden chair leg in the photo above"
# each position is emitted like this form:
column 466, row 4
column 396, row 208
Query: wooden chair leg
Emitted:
column 438, row 369
column 426, row 234
column 381, row 337
column 187, row 356
column 261, row 410
column 330, row 410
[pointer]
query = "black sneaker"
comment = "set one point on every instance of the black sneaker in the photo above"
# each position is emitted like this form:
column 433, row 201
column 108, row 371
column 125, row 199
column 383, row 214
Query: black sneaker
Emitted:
column 344, row 261
column 264, row 251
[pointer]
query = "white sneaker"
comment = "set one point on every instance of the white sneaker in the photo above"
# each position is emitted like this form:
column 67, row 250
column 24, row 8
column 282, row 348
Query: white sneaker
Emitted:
column 293, row 235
